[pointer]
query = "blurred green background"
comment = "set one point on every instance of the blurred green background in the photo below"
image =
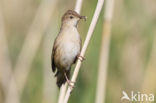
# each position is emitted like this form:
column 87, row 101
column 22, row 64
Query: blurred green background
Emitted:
column 132, row 48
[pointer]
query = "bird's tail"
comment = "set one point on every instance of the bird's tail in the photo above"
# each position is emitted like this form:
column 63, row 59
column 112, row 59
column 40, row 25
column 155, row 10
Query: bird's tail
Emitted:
column 61, row 79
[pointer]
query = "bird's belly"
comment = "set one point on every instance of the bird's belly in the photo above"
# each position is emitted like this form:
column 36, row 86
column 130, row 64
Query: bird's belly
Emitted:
column 71, row 50
column 68, row 53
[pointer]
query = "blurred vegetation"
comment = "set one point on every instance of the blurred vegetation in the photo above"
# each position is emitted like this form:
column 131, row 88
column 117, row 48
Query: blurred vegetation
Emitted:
column 133, row 33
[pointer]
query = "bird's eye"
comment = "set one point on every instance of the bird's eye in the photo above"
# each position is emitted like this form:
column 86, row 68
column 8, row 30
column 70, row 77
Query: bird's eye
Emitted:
column 71, row 17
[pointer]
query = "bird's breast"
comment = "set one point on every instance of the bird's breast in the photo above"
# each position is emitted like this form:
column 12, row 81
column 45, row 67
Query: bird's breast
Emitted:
column 69, row 47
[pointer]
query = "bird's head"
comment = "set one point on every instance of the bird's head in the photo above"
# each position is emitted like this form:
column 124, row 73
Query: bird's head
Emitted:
column 72, row 18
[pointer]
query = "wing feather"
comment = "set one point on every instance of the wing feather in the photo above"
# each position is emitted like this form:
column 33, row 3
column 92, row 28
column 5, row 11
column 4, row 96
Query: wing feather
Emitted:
column 52, row 57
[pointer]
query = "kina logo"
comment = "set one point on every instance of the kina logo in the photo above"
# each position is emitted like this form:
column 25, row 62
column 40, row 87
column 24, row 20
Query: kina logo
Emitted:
column 137, row 96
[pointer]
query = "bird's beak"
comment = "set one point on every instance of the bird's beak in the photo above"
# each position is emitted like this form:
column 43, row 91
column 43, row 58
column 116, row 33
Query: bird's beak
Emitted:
column 83, row 17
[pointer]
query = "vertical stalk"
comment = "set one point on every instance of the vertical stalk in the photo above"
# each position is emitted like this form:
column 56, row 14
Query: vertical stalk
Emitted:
column 149, row 84
column 6, row 66
column 104, row 54
column 30, row 47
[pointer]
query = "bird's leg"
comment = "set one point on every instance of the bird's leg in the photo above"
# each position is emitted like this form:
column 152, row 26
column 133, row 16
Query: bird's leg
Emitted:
column 70, row 83
column 81, row 58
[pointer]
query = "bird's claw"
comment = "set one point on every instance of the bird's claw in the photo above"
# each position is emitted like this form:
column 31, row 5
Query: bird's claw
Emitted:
column 81, row 58
column 71, row 83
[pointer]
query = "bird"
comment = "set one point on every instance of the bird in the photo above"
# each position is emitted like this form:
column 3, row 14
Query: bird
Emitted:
column 66, row 48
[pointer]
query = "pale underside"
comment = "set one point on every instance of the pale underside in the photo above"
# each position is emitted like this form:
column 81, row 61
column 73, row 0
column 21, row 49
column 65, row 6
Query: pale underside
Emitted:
column 68, row 47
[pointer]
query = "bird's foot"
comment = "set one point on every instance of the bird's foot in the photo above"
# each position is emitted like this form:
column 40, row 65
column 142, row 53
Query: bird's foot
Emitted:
column 81, row 58
column 71, row 83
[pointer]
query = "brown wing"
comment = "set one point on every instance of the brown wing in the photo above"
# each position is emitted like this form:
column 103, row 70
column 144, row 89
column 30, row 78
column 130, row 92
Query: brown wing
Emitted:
column 52, row 57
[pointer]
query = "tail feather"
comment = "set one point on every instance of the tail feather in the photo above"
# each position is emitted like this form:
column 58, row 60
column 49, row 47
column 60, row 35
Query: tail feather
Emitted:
column 61, row 77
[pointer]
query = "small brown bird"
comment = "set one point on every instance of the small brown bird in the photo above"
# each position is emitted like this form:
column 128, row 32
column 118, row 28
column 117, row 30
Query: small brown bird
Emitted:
column 66, row 47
